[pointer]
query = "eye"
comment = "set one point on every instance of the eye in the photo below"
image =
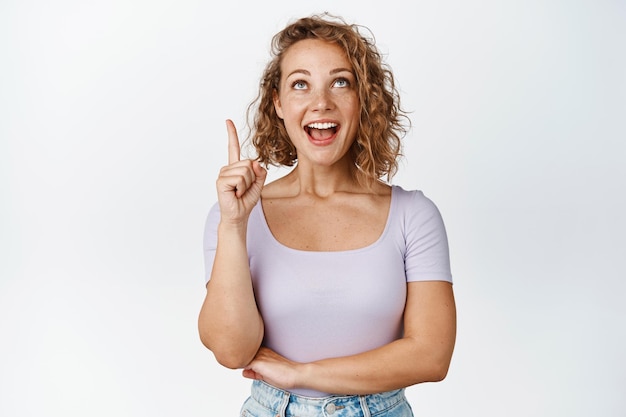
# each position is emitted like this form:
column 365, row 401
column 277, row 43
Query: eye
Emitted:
column 342, row 83
column 298, row 85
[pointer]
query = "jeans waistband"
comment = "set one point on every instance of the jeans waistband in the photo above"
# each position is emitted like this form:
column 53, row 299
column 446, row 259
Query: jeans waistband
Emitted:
column 286, row 403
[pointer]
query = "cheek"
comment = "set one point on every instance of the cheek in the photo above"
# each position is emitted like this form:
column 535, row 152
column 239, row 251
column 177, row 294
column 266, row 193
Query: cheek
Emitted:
column 292, row 108
column 349, row 102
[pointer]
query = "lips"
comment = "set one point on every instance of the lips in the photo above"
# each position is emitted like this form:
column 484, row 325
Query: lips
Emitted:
column 322, row 132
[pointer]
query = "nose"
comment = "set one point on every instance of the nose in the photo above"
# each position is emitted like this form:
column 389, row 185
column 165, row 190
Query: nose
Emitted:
column 322, row 100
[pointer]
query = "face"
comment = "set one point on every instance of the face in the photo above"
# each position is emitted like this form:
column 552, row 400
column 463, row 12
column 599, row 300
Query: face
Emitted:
column 318, row 102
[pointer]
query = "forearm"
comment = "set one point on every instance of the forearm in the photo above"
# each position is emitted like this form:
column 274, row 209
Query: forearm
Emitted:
column 399, row 364
column 422, row 355
column 230, row 324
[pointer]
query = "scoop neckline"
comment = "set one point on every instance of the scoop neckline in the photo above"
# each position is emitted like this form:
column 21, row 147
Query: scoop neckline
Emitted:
column 276, row 242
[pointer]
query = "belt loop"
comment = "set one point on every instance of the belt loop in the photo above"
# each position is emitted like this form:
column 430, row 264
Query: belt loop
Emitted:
column 366, row 409
column 282, row 410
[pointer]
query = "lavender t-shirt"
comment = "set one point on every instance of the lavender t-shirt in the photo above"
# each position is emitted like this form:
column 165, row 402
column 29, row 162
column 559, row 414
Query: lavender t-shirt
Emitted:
column 318, row 305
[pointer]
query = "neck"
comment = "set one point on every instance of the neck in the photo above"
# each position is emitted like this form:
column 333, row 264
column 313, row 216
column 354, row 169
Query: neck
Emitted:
column 322, row 181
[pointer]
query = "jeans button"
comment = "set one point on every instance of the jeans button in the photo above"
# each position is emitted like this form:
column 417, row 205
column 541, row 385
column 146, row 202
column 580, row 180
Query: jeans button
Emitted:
column 330, row 408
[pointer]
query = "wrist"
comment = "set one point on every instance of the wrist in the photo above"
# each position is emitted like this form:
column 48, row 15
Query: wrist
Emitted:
column 239, row 227
column 306, row 375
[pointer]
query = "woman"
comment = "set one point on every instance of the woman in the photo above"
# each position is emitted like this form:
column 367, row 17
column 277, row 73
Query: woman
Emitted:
column 329, row 287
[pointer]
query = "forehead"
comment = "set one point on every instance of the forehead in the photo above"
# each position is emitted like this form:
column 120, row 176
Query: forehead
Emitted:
column 311, row 54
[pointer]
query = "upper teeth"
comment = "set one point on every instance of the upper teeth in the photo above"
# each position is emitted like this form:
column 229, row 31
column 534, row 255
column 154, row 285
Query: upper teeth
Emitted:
column 322, row 125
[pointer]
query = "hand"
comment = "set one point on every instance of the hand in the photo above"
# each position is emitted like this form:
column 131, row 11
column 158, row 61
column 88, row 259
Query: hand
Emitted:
column 274, row 369
column 239, row 184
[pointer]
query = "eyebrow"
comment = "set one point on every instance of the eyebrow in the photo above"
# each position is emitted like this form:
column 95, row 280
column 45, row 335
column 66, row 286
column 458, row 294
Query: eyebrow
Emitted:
column 332, row 72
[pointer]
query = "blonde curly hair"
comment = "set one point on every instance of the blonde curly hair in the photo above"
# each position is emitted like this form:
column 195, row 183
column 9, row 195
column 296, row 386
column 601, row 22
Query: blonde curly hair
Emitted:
column 383, row 123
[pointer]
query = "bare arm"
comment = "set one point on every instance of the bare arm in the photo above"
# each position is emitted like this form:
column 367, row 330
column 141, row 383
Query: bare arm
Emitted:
column 422, row 355
column 229, row 323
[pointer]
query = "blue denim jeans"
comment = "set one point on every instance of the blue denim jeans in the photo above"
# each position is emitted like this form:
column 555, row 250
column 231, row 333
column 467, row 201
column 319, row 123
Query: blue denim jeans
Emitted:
column 267, row 401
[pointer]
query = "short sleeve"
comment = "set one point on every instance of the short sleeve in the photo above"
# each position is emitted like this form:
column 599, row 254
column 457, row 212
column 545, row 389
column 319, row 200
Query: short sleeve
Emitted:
column 427, row 255
column 210, row 239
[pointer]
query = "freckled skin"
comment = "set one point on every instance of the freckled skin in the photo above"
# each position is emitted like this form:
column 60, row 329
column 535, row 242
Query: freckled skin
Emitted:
column 318, row 86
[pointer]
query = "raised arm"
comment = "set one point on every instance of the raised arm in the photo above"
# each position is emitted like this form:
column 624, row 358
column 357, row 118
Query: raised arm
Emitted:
column 229, row 322
column 423, row 354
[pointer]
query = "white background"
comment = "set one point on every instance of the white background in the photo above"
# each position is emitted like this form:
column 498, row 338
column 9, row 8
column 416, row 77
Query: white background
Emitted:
column 112, row 132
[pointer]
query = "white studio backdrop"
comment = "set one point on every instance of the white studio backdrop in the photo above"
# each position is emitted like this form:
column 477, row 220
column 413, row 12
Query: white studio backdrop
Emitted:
column 112, row 132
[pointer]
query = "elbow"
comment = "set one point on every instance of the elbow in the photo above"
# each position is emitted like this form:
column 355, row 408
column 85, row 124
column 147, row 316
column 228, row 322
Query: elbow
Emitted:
column 431, row 367
column 232, row 360
column 227, row 355
column 438, row 371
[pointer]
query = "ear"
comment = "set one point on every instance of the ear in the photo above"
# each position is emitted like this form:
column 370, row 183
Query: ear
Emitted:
column 277, row 106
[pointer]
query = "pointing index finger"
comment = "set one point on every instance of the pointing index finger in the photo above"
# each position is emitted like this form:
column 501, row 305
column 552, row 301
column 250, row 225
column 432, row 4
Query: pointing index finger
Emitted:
column 233, row 142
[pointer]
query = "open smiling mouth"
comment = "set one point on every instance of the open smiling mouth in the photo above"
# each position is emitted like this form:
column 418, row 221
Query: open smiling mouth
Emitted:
column 321, row 131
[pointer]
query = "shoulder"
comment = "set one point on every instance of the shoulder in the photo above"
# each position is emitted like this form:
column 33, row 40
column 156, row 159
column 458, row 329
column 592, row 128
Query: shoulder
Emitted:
column 416, row 212
column 412, row 201
column 427, row 253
